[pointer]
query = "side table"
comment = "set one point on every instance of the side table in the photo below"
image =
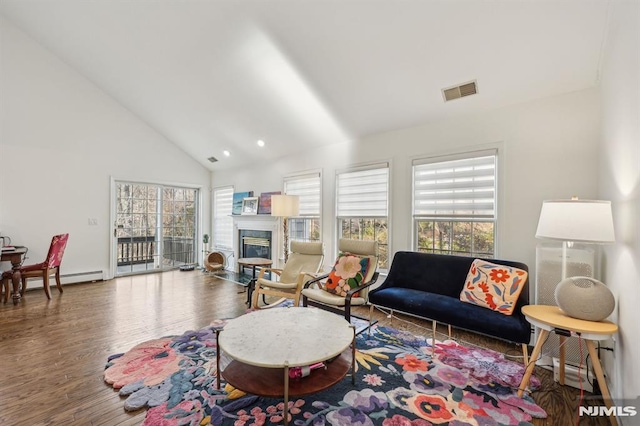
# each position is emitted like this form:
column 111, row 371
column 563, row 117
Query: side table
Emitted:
column 551, row 318
column 253, row 262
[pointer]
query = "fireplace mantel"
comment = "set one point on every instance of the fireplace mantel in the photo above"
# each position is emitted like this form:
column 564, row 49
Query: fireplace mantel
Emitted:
column 261, row 222
column 242, row 217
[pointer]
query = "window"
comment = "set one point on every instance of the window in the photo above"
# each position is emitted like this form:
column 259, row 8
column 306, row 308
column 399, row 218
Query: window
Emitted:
column 454, row 204
column 155, row 227
column 222, row 220
column 306, row 227
column 362, row 204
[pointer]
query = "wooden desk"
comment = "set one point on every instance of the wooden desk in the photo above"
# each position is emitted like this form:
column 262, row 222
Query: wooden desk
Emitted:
column 551, row 318
column 253, row 262
column 15, row 257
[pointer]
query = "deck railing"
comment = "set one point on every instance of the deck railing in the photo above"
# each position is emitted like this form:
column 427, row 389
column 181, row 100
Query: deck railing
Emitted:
column 136, row 250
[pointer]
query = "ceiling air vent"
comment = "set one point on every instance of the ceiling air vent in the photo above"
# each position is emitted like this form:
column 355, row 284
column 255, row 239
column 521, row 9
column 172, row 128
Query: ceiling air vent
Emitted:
column 460, row 91
column 212, row 159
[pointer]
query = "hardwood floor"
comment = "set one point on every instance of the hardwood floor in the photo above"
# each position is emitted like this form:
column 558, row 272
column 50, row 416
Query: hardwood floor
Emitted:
column 53, row 352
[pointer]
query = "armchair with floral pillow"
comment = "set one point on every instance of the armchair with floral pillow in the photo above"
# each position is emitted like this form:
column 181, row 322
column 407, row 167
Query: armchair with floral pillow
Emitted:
column 348, row 282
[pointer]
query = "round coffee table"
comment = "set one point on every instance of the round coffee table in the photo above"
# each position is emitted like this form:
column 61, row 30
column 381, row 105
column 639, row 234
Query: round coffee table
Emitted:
column 265, row 344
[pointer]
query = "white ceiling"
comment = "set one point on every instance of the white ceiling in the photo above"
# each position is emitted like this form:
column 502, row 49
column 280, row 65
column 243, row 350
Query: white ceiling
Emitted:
column 215, row 75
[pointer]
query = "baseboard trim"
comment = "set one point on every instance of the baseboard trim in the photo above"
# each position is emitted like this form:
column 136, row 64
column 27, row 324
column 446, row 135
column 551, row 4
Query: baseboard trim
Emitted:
column 72, row 278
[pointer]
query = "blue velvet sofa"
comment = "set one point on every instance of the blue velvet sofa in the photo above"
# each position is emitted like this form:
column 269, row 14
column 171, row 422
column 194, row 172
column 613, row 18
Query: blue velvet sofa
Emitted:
column 428, row 286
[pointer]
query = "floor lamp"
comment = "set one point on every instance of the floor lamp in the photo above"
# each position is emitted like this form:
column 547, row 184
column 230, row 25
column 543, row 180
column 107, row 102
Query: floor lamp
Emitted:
column 285, row 206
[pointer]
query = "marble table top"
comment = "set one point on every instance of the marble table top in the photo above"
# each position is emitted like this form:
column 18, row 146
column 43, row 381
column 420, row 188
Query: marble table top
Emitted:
column 276, row 336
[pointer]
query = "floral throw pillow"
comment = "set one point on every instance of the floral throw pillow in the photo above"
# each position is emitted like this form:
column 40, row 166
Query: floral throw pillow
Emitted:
column 347, row 273
column 493, row 286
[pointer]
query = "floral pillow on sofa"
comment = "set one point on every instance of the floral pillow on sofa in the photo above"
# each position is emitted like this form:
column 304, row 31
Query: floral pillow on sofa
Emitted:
column 493, row 286
column 347, row 273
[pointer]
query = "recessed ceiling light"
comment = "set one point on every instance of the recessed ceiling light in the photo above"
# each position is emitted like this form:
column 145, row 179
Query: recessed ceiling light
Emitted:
column 260, row 143
column 226, row 153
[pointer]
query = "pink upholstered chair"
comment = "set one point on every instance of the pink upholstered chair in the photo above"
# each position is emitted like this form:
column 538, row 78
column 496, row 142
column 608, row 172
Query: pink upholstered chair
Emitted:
column 51, row 265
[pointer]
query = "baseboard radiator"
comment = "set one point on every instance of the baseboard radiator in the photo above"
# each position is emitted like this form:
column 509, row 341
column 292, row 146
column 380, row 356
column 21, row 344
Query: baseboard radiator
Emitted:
column 75, row 278
column 571, row 377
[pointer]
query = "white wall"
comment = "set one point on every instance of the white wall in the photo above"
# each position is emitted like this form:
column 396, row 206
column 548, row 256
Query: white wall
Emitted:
column 620, row 182
column 61, row 141
column 548, row 151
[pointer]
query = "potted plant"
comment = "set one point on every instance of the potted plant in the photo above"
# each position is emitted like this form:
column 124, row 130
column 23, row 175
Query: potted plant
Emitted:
column 205, row 240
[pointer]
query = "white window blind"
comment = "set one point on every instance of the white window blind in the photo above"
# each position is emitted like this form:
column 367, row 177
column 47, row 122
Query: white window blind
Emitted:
column 456, row 188
column 307, row 187
column 363, row 193
column 222, row 220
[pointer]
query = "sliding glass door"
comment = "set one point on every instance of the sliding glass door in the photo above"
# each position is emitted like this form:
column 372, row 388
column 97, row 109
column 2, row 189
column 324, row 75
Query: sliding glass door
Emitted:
column 155, row 227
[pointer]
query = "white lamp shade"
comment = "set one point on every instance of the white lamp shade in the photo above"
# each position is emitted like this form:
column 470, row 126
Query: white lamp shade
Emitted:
column 582, row 221
column 285, row 205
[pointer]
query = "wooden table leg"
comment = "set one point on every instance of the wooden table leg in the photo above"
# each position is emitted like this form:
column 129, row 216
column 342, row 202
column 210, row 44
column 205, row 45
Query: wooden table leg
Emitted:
column 563, row 340
column 597, row 368
column 434, row 326
column 16, row 284
column 532, row 362
column 217, row 359
column 251, row 287
column 285, row 409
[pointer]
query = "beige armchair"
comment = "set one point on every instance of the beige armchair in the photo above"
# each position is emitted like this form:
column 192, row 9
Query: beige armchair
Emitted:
column 340, row 295
column 304, row 263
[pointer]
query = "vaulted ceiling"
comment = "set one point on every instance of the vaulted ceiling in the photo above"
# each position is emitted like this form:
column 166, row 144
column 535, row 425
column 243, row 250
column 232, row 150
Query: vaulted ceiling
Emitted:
column 215, row 75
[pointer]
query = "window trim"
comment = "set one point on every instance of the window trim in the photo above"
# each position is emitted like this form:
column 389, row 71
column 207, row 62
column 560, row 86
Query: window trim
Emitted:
column 316, row 173
column 336, row 223
column 214, row 242
column 306, row 175
column 495, row 149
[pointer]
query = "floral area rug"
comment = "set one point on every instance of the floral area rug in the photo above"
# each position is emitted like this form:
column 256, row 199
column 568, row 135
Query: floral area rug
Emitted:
column 398, row 383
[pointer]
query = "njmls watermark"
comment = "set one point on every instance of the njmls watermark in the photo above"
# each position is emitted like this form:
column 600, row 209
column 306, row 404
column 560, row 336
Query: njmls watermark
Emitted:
column 597, row 407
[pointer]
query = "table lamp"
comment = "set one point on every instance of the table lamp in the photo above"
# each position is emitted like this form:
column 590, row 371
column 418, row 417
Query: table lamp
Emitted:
column 583, row 221
column 285, row 206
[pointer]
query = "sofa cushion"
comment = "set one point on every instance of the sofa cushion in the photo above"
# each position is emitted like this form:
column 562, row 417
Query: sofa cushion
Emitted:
column 450, row 310
column 319, row 295
column 493, row 286
column 347, row 273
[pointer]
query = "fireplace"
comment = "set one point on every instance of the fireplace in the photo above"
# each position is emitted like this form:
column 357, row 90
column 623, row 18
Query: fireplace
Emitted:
column 255, row 243
column 257, row 236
